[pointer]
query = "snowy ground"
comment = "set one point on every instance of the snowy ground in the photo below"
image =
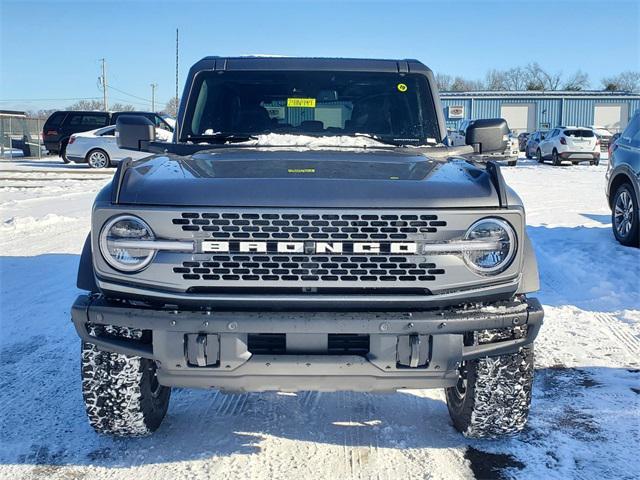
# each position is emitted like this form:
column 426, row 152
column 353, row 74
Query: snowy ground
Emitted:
column 584, row 423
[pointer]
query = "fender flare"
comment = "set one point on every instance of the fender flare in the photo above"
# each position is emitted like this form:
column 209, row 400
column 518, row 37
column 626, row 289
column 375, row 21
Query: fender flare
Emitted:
column 86, row 276
column 530, row 281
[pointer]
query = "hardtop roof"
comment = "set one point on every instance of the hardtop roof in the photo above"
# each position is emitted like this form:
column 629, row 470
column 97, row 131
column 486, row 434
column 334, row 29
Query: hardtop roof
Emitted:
column 309, row 63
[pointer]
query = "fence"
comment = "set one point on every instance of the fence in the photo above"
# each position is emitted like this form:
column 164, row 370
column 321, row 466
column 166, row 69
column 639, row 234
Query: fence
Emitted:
column 20, row 136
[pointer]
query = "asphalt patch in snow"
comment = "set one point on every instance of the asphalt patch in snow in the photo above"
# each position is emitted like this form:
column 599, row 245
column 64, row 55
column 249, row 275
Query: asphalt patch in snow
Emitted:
column 487, row 465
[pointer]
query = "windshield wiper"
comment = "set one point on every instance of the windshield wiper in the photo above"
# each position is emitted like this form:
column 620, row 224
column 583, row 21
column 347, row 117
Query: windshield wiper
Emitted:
column 221, row 138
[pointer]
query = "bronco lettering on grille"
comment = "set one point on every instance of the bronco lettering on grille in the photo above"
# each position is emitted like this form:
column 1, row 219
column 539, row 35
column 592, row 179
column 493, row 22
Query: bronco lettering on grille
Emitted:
column 210, row 246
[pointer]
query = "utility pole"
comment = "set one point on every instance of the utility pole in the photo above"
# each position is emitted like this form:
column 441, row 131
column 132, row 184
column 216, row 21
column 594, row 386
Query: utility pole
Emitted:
column 103, row 79
column 153, row 96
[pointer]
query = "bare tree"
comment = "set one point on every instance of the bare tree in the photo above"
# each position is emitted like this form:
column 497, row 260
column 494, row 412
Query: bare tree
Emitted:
column 443, row 81
column 122, row 107
column 578, row 81
column 86, row 105
column 460, row 84
column 625, row 82
column 495, row 80
column 171, row 108
column 515, row 78
column 41, row 114
column 539, row 77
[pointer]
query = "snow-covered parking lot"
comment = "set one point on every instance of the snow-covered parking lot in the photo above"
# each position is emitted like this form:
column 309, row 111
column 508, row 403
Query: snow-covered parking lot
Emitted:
column 585, row 418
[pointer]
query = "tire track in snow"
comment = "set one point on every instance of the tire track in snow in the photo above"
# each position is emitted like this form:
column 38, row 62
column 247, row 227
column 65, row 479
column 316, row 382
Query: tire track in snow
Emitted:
column 619, row 331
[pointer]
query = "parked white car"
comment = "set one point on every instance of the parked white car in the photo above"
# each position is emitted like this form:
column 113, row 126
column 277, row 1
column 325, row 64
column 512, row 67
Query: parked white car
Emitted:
column 458, row 138
column 603, row 135
column 99, row 148
column 574, row 144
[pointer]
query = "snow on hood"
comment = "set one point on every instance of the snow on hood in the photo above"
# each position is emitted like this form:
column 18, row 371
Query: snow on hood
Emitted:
column 309, row 141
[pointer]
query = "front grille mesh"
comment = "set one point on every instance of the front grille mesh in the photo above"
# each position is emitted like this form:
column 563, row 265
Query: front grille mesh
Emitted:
column 298, row 268
column 293, row 226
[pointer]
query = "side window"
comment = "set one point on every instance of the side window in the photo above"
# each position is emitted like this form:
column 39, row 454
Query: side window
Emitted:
column 94, row 121
column 160, row 123
column 74, row 120
column 631, row 134
column 55, row 120
column 108, row 133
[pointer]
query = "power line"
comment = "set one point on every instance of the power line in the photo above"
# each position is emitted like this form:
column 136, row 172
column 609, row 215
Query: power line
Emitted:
column 130, row 102
column 129, row 94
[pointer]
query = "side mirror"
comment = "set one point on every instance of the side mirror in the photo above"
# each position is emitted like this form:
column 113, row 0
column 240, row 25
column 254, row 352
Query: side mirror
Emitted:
column 134, row 132
column 489, row 135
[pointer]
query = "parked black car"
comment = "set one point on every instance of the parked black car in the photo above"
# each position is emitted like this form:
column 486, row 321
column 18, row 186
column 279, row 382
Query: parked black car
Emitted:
column 62, row 124
column 623, row 184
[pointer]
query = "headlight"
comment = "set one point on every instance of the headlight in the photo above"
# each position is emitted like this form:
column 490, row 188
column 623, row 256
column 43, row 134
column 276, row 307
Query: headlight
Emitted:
column 114, row 248
column 498, row 246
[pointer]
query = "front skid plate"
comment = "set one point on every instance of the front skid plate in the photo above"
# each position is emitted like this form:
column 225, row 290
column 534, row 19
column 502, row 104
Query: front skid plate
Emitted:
column 238, row 369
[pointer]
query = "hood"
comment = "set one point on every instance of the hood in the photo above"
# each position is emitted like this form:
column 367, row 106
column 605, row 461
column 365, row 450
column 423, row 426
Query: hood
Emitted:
column 252, row 177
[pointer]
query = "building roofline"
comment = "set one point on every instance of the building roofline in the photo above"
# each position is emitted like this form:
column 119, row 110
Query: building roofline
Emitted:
column 12, row 113
column 540, row 94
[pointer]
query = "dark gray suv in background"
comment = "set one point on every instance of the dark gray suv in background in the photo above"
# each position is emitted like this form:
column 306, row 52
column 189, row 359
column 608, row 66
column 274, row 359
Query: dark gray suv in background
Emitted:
column 623, row 184
column 308, row 230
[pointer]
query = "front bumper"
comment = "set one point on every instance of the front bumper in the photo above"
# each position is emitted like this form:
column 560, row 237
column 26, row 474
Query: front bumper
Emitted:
column 433, row 340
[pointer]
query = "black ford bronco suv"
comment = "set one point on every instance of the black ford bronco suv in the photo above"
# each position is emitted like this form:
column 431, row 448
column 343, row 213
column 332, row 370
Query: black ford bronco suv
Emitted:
column 307, row 230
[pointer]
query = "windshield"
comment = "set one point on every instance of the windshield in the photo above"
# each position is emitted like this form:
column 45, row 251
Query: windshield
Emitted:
column 397, row 108
column 579, row 133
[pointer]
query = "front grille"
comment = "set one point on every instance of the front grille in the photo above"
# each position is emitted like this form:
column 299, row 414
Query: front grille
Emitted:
column 338, row 344
column 293, row 226
column 310, row 268
column 314, row 264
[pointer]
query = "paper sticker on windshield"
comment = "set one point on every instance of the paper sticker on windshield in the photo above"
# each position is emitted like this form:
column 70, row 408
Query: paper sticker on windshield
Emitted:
column 301, row 102
column 402, row 87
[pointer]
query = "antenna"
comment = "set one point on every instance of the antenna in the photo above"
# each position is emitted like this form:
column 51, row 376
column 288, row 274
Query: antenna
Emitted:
column 177, row 58
column 177, row 127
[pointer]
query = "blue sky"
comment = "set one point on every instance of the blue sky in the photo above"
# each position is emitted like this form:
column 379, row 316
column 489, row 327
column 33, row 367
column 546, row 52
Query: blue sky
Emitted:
column 51, row 50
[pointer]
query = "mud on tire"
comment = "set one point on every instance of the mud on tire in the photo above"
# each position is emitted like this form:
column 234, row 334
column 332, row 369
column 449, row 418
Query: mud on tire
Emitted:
column 121, row 394
column 496, row 396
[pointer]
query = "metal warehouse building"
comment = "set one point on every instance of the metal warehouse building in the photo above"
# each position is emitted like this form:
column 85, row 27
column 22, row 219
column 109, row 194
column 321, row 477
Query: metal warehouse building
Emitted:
column 529, row 111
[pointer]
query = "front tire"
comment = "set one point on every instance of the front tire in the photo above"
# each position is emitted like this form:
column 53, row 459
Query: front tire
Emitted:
column 539, row 156
column 493, row 395
column 97, row 158
column 121, row 393
column 512, row 163
column 625, row 219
